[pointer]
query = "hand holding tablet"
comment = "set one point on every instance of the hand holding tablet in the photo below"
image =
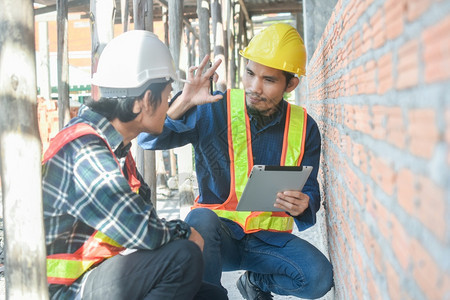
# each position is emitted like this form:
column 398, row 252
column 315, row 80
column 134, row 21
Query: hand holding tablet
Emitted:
column 265, row 182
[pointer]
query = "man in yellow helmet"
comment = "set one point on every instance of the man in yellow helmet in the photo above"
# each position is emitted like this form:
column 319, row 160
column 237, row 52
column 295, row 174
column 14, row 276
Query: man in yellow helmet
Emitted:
column 254, row 126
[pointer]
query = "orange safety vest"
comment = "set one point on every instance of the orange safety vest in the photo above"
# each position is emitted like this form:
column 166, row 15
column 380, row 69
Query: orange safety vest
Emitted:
column 66, row 268
column 241, row 164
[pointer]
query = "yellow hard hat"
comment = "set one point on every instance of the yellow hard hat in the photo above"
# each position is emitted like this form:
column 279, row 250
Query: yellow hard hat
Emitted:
column 278, row 46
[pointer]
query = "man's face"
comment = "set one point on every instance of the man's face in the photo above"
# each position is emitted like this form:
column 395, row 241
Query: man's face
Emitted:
column 264, row 87
column 158, row 116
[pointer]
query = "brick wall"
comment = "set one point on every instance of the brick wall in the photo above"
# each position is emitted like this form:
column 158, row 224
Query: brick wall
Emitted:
column 378, row 84
column 47, row 111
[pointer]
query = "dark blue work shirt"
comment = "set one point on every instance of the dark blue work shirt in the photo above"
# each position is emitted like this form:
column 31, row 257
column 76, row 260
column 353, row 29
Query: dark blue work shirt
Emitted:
column 205, row 127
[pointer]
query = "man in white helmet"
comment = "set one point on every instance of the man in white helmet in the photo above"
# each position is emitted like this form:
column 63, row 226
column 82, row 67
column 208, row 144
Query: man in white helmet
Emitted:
column 254, row 126
column 96, row 204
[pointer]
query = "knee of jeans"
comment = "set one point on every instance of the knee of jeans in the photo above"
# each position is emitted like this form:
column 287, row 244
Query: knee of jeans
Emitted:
column 320, row 279
column 189, row 253
column 203, row 220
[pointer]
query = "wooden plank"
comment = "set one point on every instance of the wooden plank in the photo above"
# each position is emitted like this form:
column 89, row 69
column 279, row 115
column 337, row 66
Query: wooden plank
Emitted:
column 44, row 64
column 232, row 45
column 244, row 10
column 62, row 63
column 203, row 12
column 175, row 10
column 102, row 14
column 145, row 159
column 219, row 43
column 124, row 10
column 20, row 155
column 143, row 14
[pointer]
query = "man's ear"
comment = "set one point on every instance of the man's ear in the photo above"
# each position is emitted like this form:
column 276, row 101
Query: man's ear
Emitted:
column 143, row 103
column 292, row 84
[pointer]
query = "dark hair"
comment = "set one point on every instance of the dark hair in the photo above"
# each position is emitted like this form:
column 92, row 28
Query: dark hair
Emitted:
column 288, row 76
column 122, row 108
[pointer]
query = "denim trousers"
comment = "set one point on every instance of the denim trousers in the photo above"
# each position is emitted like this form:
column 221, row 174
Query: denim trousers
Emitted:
column 296, row 268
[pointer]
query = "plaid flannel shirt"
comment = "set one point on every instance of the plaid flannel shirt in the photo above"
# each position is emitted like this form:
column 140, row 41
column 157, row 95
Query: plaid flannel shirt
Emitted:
column 84, row 190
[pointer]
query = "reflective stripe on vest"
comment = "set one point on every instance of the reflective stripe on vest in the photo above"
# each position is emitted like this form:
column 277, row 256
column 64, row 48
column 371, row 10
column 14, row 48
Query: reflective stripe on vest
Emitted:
column 241, row 163
column 66, row 268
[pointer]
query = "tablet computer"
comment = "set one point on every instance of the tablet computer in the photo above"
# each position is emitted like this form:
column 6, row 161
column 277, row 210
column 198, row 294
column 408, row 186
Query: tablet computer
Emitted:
column 265, row 182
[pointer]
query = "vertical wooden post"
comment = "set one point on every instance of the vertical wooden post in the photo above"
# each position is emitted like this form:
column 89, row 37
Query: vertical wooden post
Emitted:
column 227, row 25
column 20, row 155
column 44, row 65
column 219, row 43
column 300, row 29
column 124, row 14
column 102, row 31
column 203, row 14
column 165, row 19
column 143, row 20
column 143, row 14
column 242, row 42
column 190, row 42
column 175, row 10
column 63, row 63
column 232, row 44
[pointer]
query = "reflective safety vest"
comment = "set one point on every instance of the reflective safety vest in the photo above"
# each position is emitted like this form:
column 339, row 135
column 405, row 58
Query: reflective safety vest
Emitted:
column 66, row 268
column 241, row 164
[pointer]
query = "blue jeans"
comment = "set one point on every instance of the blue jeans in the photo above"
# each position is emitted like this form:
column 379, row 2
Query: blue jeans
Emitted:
column 297, row 268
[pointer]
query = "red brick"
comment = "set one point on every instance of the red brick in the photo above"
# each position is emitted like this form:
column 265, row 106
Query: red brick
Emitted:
column 436, row 43
column 382, row 173
column 406, row 190
column 385, row 70
column 357, row 45
column 362, row 119
column 408, row 65
column 395, row 127
column 379, row 28
column 433, row 281
column 367, row 37
column 447, row 133
column 400, row 244
column 414, row 196
column 378, row 119
column 431, row 211
column 415, row 8
column 374, row 290
column 422, row 132
column 358, row 286
column 360, row 157
column 395, row 289
column 395, row 10
column 369, row 77
column 355, row 184
column 383, row 218
column 349, row 112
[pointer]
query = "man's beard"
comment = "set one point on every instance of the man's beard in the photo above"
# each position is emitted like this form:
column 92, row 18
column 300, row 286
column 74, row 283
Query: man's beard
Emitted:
column 260, row 112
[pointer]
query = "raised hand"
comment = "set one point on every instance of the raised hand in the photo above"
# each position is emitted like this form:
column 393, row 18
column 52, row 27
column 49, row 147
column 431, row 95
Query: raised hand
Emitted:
column 196, row 90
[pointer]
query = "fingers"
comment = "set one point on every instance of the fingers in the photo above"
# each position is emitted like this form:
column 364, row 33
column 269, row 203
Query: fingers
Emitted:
column 294, row 202
column 191, row 72
column 215, row 98
column 204, row 65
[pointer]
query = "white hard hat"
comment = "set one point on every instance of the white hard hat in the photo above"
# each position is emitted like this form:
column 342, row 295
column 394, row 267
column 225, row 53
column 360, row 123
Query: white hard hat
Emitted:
column 130, row 62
